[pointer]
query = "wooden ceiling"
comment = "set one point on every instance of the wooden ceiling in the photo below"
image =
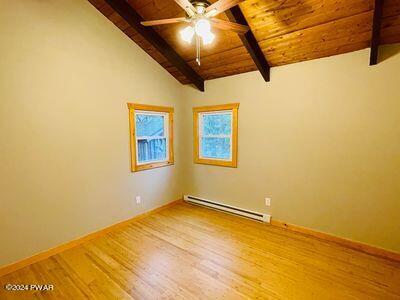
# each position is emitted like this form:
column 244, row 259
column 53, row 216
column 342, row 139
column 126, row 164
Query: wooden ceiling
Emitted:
column 287, row 31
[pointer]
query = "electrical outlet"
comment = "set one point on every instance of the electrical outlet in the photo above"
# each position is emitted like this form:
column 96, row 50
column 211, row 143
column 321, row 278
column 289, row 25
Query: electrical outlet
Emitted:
column 138, row 199
column 267, row 201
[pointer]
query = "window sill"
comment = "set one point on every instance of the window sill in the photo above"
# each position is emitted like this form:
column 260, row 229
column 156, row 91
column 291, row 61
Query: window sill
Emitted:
column 149, row 166
column 216, row 162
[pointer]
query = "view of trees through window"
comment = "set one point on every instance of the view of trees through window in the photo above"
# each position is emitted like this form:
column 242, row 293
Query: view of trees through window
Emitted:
column 216, row 135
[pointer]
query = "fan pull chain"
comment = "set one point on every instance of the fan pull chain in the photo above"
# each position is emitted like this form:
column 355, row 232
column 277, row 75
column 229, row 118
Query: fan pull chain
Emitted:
column 198, row 49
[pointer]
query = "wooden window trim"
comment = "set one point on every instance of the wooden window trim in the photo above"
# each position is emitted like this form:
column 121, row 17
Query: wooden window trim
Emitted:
column 234, row 107
column 135, row 167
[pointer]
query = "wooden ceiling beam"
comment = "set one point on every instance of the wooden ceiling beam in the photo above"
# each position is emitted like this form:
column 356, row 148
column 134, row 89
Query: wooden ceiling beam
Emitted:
column 249, row 41
column 126, row 11
column 376, row 32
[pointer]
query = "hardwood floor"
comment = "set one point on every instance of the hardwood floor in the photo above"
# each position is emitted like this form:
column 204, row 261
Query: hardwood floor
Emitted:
column 190, row 252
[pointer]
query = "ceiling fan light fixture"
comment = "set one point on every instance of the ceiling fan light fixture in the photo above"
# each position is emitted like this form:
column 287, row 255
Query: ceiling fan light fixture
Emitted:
column 187, row 34
column 208, row 38
column 200, row 9
column 202, row 27
column 200, row 14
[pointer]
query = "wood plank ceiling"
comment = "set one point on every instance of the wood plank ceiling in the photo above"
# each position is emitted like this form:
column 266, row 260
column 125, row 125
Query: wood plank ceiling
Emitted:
column 287, row 31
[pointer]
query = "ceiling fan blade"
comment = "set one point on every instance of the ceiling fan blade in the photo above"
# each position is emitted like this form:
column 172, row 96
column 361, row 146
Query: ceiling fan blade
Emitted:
column 225, row 25
column 187, row 6
column 220, row 6
column 163, row 21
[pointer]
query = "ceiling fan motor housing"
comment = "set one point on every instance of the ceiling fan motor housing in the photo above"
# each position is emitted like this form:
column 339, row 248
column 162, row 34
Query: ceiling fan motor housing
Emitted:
column 204, row 3
column 200, row 5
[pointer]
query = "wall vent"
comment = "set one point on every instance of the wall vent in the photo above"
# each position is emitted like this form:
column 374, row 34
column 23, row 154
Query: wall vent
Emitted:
column 228, row 208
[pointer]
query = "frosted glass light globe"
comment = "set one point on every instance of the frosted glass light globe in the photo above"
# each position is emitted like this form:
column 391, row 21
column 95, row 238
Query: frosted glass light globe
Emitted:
column 202, row 27
column 187, row 34
column 208, row 38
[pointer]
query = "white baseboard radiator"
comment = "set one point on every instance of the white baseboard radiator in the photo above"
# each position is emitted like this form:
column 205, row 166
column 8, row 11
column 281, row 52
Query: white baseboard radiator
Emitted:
column 228, row 208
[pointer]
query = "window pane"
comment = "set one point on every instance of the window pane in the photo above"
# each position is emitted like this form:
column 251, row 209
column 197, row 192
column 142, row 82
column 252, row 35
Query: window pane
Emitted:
column 149, row 125
column 216, row 148
column 152, row 150
column 216, row 124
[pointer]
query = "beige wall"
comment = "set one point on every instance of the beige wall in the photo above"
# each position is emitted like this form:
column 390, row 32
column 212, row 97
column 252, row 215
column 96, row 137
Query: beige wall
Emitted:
column 66, row 75
column 322, row 139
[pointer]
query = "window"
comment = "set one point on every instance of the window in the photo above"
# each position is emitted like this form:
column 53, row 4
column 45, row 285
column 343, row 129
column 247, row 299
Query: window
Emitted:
column 215, row 135
column 151, row 134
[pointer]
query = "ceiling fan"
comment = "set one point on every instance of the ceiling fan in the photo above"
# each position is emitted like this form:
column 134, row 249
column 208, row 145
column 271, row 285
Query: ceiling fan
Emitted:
column 200, row 15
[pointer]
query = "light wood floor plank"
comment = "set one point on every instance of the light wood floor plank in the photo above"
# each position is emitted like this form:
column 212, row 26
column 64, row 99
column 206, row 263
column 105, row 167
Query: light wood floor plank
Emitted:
column 190, row 252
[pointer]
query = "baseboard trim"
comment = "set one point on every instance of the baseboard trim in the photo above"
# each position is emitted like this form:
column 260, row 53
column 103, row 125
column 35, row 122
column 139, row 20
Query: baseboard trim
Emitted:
column 368, row 249
column 7, row 269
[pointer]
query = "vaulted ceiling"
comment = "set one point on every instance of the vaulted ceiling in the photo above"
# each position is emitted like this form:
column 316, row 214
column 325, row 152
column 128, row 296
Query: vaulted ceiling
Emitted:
column 287, row 31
